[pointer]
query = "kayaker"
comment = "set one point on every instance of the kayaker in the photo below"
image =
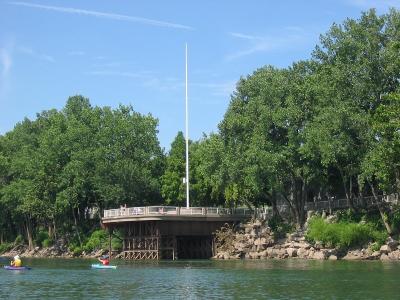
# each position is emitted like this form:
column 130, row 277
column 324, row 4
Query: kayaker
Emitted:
column 16, row 262
column 104, row 260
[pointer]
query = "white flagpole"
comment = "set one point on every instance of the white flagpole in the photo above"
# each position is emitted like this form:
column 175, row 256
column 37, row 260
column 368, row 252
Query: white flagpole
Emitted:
column 187, row 129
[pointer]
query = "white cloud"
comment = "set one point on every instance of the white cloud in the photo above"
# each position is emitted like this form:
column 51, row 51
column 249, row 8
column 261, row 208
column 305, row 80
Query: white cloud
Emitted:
column 29, row 51
column 246, row 36
column 112, row 16
column 291, row 37
column 5, row 62
column 149, row 79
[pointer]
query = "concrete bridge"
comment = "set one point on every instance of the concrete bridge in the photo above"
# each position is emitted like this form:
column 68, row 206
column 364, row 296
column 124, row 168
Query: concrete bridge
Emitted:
column 169, row 232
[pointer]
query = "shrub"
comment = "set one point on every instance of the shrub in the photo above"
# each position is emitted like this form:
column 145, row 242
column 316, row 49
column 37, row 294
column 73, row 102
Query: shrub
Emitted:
column 40, row 237
column 279, row 226
column 343, row 234
column 47, row 243
column 19, row 240
column 5, row 247
column 97, row 240
column 77, row 251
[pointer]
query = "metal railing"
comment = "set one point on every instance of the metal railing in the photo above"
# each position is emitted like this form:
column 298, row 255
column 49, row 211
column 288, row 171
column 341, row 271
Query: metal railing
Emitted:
column 176, row 211
column 331, row 204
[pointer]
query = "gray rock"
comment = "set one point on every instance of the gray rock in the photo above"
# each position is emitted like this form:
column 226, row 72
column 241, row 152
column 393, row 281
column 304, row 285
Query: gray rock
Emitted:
column 385, row 249
column 353, row 255
column 394, row 255
column 376, row 254
column 320, row 255
column 384, row 257
column 318, row 245
column 292, row 252
column 302, row 253
column 260, row 241
column 392, row 244
column 332, row 257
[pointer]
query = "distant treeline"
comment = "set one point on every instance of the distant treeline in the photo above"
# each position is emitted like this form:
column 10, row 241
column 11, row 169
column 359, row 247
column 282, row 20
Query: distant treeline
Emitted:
column 327, row 126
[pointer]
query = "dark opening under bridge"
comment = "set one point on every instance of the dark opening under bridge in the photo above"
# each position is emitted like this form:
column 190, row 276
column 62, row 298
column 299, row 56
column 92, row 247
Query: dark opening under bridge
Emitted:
column 169, row 232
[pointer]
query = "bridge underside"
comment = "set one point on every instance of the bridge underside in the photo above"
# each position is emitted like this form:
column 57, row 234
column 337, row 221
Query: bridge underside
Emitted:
column 168, row 239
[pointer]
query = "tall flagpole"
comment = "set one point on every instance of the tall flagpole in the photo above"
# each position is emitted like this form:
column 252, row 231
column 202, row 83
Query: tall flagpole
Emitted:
column 187, row 129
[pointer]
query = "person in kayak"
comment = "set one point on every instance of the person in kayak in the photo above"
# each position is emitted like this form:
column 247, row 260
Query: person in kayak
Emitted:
column 16, row 262
column 104, row 260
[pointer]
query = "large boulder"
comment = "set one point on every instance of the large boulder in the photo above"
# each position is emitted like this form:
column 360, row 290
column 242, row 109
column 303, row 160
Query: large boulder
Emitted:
column 384, row 257
column 385, row 249
column 292, row 252
column 394, row 255
column 392, row 244
column 302, row 253
column 354, row 255
column 320, row 255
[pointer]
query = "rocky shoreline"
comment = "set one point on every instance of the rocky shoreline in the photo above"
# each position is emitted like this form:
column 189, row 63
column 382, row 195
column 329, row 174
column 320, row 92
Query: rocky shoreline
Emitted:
column 252, row 240
column 255, row 240
column 58, row 250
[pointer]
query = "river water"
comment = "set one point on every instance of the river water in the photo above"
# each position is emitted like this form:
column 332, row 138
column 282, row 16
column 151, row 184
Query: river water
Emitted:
column 204, row 279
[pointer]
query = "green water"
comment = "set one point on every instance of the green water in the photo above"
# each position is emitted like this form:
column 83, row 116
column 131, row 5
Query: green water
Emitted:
column 262, row 279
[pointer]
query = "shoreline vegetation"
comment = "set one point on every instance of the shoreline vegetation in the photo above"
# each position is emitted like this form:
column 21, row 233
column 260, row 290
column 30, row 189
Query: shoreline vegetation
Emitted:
column 334, row 237
column 343, row 235
column 324, row 127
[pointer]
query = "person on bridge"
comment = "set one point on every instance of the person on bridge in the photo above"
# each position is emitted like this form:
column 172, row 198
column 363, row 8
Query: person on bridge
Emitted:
column 16, row 262
column 104, row 260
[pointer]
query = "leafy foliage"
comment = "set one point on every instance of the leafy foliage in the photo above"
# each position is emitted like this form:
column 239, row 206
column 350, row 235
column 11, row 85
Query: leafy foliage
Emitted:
column 343, row 234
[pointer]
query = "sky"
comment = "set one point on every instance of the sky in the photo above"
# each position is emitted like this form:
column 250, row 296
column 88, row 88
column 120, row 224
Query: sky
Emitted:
column 133, row 53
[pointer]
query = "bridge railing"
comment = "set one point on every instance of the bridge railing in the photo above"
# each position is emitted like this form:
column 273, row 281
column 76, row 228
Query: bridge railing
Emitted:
column 175, row 211
column 331, row 204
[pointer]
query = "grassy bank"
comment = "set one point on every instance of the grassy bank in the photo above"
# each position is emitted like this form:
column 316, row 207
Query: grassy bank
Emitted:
column 345, row 233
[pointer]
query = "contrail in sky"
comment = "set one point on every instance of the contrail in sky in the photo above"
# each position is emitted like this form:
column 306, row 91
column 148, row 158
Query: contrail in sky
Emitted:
column 104, row 15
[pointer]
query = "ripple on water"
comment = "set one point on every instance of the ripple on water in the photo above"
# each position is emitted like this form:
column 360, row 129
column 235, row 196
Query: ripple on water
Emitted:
column 289, row 279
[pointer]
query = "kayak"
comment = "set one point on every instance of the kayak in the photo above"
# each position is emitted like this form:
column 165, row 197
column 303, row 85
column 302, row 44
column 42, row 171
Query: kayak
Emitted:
column 99, row 266
column 16, row 268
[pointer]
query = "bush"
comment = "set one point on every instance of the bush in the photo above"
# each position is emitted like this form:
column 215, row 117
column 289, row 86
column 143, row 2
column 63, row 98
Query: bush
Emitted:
column 96, row 241
column 47, row 243
column 40, row 237
column 343, row 234
column 19, row 240
column 77, row 251
column 5, row 247
column 279, row 227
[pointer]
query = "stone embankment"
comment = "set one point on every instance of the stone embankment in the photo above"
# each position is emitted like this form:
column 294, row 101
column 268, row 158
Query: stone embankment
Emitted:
column 255, row 240
column 59, row 249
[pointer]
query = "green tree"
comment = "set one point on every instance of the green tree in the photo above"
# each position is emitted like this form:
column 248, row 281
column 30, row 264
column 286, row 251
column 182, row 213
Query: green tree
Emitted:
column 173, row 190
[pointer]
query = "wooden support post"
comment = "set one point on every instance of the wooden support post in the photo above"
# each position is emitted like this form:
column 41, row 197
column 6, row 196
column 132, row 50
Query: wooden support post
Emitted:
column 109, row 242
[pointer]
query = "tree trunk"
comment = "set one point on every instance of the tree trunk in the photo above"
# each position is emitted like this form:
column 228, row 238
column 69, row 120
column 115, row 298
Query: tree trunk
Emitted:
column 397, row 176
column 76, row 227
column 346, row 190
column 28, row 228
column 50, row 231
column 381, row 210
column 275, row 211
column 297, row 197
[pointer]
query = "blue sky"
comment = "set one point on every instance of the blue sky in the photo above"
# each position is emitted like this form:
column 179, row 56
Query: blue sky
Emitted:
column 132, row 52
